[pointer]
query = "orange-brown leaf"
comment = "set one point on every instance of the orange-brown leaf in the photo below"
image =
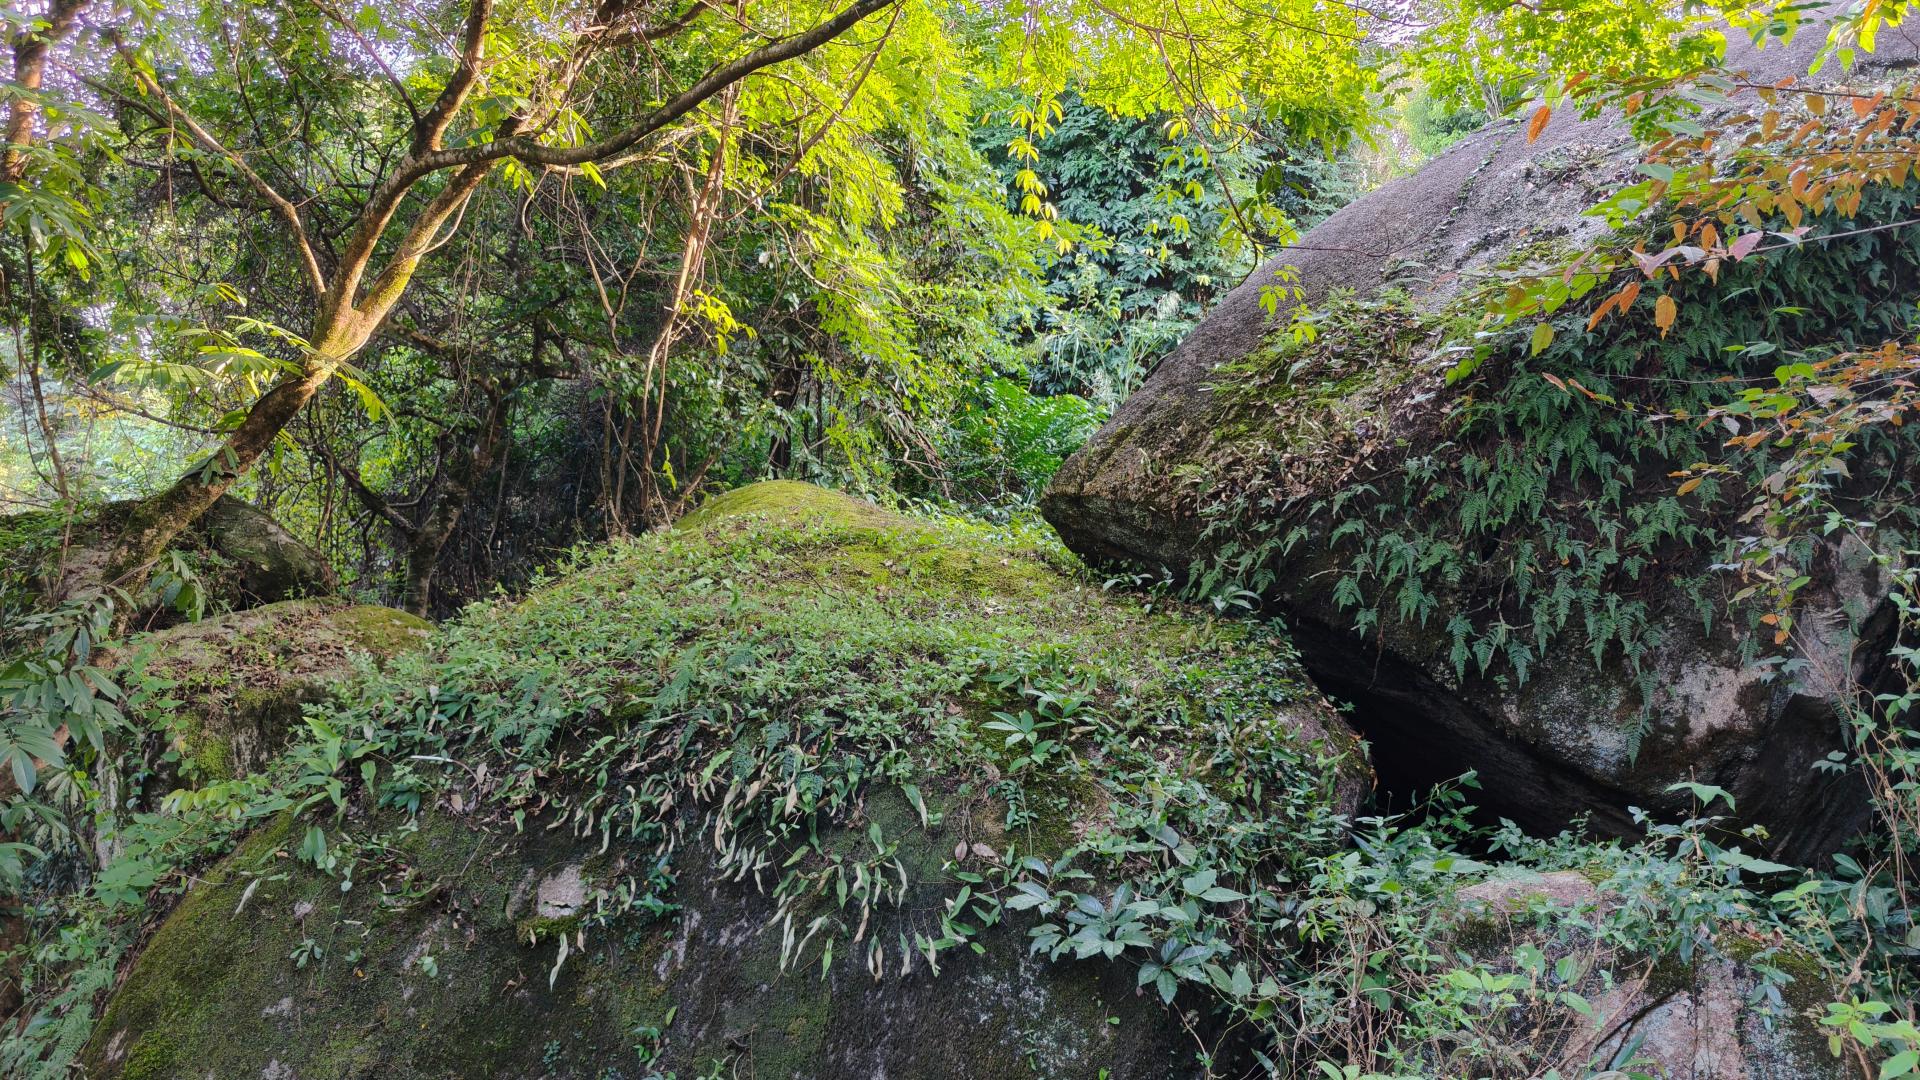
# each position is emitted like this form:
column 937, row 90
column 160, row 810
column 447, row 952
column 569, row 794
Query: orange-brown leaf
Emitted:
column 1539, row 121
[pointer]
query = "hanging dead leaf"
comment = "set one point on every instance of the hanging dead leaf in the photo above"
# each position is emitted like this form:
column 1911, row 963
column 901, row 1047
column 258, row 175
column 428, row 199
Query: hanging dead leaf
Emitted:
column 1539, row 121
column 1665, row 311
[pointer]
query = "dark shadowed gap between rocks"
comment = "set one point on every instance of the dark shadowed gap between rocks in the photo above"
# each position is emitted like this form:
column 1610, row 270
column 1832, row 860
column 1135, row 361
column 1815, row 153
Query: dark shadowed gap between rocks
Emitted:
column 1421, row 736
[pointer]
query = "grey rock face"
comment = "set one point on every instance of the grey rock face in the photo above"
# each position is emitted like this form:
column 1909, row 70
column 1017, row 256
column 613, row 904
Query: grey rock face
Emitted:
column 1561, row 744
column 1690, row 1021
column 270, row 562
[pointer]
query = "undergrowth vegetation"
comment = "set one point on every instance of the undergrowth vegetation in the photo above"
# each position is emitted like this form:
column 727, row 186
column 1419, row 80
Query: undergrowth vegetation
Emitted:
column 1144, row 783
column 531, row 275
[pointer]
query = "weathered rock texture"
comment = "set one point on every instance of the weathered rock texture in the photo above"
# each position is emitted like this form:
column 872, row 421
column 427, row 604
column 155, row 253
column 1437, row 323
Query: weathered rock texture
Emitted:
column 444, row 959
column 1558, row 746
column 265, row 562
column 242, row 556
column 217, row 989
column 242, row 678
column 1689, row 1021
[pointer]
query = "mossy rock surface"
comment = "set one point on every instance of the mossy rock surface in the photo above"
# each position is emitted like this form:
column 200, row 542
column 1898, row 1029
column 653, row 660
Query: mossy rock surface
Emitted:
column 240, row 555
column 437, row 978
column 1705, row 1019
column 857, row 640
column 241, row 679
column 264, row 562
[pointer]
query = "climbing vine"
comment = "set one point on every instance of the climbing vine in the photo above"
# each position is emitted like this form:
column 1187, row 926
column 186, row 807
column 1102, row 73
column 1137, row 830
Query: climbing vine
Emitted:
column 1542, row 484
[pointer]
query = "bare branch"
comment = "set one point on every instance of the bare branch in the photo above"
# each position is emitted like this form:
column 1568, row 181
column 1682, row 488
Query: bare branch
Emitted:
column 368, row 497
column 280, row 203
column 655, row 33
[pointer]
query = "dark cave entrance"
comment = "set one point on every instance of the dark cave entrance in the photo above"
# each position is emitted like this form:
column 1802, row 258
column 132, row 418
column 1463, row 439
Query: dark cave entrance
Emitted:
column 1422, row 734
column 1412, row 753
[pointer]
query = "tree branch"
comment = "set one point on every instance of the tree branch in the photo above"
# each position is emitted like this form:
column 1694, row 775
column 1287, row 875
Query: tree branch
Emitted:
column 280, row 203
column 30, row 48
column 399, row 87
column 429, row 129
column 370, row 498
column 388, row 194
column 657, row 32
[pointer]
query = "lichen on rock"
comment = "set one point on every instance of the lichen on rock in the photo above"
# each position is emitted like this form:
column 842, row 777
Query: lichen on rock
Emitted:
column 1708, row 1017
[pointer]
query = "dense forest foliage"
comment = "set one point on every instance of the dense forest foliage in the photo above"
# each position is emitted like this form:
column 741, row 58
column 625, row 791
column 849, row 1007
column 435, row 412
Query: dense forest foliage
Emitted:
column 462, row 292
column 863, row 270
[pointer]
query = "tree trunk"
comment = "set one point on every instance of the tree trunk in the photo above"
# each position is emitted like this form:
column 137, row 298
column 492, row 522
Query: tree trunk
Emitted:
column 30, row 50
column 425, row 539
column 341, row 328
column 430, row 537
column 158, row 520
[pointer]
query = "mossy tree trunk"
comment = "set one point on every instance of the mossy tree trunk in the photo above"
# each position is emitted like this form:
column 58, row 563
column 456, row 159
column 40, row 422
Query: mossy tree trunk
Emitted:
column 157, row 521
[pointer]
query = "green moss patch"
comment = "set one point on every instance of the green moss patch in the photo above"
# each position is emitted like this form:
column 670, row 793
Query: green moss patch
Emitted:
column 777, row 772
column 224, row 694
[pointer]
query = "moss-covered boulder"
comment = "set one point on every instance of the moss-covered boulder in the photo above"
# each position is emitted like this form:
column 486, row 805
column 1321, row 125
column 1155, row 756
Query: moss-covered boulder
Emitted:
column 240, row 555
column 223, row 695
column 754, row 797
column 1498, row 569
column 262, row 561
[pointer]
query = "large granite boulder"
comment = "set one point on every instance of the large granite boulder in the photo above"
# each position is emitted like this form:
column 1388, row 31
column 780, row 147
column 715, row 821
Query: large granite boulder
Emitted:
column 1298, row 441
column 261, row 562
column 652, row 894
column 223, row 695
